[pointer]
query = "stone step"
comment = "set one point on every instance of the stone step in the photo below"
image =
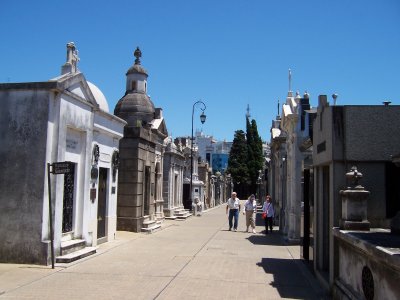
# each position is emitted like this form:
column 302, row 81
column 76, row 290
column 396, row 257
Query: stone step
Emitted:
column 149, row 223
column 70, row 246
column 183, row 216
column 151, row 229
column 68, row 258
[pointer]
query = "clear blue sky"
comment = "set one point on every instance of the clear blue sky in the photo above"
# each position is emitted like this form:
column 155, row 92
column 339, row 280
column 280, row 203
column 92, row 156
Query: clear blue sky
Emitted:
column 227, row 53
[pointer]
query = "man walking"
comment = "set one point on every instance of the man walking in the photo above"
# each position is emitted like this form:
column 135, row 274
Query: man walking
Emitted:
column 233, row 205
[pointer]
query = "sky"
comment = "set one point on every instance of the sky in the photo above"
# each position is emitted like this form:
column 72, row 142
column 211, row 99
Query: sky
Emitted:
column 227, row 53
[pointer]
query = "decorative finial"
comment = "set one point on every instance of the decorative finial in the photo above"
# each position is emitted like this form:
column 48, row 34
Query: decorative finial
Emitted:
column 138, row 55
column 290, row 80
column 334, row 96
column 386, row 103
column 354, row 175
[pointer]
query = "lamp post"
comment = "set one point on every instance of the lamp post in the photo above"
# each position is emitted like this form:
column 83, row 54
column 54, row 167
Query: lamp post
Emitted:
column 202, row 119
column 259, row 181
column 218, row 174
column 229, row 184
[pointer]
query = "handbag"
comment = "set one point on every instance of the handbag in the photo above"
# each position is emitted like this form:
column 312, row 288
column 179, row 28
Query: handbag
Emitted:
column 264, row 215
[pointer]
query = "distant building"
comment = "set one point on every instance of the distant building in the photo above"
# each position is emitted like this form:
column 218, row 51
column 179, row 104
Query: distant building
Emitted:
column 197, row 185
column 215, row 153
column 174, row 170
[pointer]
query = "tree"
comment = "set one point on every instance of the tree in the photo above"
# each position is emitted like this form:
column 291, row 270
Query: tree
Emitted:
column 237, row 162
column 255, row 154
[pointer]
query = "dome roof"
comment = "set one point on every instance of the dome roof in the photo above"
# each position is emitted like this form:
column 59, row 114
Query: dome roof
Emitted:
column 135, row 69
column 133, row 106
column 99, row 97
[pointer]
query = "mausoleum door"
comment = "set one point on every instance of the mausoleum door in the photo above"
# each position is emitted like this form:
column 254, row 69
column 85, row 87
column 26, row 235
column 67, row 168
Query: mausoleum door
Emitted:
column 68, row 200
column 101, row 204
column 146, row 192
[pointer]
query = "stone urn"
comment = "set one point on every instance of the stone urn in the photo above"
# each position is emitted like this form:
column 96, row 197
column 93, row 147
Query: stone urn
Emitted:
column 354, row 204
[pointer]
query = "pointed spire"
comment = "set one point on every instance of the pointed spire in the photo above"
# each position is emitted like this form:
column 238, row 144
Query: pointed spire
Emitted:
column 138, row 55
column 278, row 107
column 290, row 84
column 248, row 112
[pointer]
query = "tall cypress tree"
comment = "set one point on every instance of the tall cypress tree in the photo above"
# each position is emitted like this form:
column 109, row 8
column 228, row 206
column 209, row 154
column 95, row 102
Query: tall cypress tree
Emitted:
column 237, row 162
column 255, row 154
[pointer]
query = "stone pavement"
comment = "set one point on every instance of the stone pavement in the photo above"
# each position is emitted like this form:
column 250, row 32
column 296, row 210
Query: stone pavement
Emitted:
column 193, row 259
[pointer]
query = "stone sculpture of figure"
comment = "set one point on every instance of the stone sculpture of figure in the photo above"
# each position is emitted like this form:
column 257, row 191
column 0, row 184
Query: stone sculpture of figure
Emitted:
column 70, row 52
column 70, row 65
column 72, row 56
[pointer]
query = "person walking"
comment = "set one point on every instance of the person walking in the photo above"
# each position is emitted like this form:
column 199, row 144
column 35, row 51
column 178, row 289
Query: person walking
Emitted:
column 268, row 209
column 233, row 205
column 250, row 209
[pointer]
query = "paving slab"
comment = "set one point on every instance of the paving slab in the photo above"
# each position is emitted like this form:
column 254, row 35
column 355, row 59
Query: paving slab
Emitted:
column 193, row 259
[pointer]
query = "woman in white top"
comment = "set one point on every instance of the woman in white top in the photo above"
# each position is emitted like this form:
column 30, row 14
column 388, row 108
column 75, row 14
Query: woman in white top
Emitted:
column 268, row 208
column 250, row 209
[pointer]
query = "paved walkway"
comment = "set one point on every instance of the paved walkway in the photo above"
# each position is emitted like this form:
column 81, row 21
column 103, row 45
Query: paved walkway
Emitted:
column 193, row 259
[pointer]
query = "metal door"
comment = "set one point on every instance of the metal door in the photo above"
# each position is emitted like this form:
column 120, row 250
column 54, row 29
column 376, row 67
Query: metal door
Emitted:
column 68, row 199
column 102, row 204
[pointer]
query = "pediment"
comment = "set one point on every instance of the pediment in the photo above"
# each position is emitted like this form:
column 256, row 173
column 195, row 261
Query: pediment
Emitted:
column 77, row 86
column 160, row 126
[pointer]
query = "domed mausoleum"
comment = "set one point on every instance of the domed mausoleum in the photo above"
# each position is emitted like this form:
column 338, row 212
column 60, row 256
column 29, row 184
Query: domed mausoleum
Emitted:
column 58, row 132
column 140, row 202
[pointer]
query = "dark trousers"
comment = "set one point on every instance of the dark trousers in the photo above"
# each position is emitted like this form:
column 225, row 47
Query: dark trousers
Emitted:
column 268, row 223
column 233, row 214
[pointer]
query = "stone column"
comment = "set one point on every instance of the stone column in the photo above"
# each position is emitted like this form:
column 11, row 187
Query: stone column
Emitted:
column 354, row 204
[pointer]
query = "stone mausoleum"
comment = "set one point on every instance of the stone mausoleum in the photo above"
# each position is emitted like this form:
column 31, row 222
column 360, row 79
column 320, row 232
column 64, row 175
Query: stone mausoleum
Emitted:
column 140, row 201
column 65, row 119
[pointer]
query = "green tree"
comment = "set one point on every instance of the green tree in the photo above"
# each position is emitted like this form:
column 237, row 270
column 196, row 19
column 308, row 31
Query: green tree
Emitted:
column 237, row 162
column 255, row 154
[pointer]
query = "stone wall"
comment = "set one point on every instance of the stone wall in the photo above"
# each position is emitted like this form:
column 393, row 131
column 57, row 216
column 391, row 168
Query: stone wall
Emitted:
column 23, row 131
column 368, row 265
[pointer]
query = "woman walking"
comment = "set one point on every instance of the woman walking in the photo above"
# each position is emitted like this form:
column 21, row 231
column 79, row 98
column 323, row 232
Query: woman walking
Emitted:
column 250, row 209
column 268, row 209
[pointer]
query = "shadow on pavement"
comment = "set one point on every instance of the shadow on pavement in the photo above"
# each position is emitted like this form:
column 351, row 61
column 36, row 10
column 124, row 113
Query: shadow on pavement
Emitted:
column 288, row 279
column 274, row 239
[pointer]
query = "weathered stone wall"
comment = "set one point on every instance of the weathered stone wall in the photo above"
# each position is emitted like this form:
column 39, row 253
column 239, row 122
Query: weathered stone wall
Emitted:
column 136, row 152
column 23, row 132
column 358, row 254
column 372, row 133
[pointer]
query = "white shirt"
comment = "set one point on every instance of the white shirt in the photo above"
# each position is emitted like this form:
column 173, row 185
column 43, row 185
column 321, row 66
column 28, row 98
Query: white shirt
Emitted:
column 250, row 205
column 233, row 203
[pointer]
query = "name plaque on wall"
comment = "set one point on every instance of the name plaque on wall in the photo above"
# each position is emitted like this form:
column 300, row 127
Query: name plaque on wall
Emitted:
column 105, row 157
column 93, row 194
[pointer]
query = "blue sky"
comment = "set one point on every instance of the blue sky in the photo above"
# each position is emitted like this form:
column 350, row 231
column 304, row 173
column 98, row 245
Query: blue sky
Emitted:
column 226, row 53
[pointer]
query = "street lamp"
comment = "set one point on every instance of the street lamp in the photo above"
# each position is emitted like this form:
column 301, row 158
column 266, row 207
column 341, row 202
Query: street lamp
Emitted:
column 202, row 119
column 259, row 181
column 229, row 184
column 218, row 175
